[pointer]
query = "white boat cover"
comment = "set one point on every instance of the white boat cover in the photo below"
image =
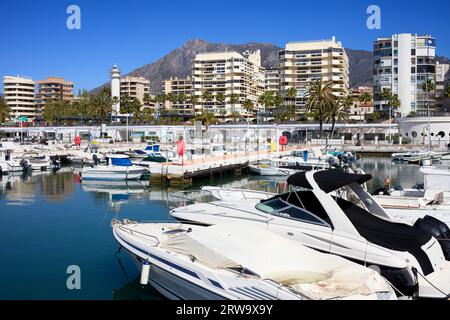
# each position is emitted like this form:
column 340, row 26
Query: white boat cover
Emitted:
column 315, row 274
column 435, row 180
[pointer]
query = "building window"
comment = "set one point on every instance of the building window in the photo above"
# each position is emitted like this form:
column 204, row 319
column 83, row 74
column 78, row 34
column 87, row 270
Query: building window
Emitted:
column 414, row 134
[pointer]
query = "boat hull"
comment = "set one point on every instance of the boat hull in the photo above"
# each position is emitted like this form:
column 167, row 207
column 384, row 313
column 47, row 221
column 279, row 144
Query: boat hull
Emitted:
column 269, row 171
column 112, row 174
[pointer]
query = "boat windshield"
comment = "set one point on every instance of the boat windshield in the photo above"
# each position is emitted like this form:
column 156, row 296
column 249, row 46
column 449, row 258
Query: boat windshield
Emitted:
column 121, row 162
column 291, row 206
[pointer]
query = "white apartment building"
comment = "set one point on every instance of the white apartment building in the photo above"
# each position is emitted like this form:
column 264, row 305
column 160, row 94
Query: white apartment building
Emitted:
column 302, row 62
column 272, row 80
column 19, row 94
column 442, row 75
column 228, row 73
column 180, row 87
column 359, row 110
column 402, row 63
column 134, row 87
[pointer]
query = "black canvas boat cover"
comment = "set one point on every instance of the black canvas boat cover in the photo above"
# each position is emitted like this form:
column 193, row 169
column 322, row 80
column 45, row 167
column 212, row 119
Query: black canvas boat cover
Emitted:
column 328, row 180
column 391, row 235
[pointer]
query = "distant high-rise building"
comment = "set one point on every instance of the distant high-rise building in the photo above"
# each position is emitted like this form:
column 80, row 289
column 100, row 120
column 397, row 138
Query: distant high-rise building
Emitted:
column 302, row 62
column 179, row 87
column 19, row 94
column 402, row 63
column 51, row 89
column 272, row 80
column 231, row 74
column 134, row 87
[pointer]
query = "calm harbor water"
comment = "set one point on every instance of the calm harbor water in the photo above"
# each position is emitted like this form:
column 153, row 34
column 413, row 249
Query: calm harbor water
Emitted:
column 51, row 221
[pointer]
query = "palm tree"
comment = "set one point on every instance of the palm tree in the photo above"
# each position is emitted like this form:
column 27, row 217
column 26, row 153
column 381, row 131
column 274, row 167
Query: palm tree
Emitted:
column 135, row 108
column 220, row 98
column 160, row 100
column 387, row 96
column 206, row 97
column 103, row 104
column 55, row 109
column 147, row 114
column 235, row 115
column 193, row 99
column 5, row 110
column 207, row 118
column 248, row 107
column 320, row 98
column 428, row 87
column 234, row 98
column 125, row 104
column 338, row 112
column 291, row 94
column 148, row 100
column 266, row 99
column 290, row 111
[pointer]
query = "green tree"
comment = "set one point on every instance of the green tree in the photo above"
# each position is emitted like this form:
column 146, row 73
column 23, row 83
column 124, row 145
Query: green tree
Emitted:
column 248, row 107
column 338, row 112
column 206, row 97
column 266, row 100
column 365, row 98
column 125, row 104
column 193, row 99
column 291, row 94
column 102, row 104
column 135, row 107
column 320, row 98
column 233, row 98
column 207, row 118
column 5, row 110
column 428, row 86
column 147, row 115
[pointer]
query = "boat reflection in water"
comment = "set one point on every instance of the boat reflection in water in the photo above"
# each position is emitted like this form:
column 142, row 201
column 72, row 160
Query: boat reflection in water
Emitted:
column 119, row 191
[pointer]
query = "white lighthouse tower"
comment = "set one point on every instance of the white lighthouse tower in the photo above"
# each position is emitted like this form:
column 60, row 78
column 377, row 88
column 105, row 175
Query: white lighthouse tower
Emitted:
column 115, row 88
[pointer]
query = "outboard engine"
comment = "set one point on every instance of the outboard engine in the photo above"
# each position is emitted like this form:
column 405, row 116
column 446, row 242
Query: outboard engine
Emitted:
column 96, row 160
column 26, row 167
column 56, row 165
column 439, row 230
column 332, row 161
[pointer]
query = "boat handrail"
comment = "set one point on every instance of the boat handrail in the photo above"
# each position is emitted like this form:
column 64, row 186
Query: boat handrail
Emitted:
column 133, row 232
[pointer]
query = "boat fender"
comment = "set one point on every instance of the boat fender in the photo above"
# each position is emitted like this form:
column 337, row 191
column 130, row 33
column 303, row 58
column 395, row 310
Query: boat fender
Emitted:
column 438, row 230
column 145, row 273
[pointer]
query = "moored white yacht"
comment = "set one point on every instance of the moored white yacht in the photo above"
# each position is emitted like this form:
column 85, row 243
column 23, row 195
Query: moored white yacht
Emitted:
column 432, row 198
column 241, row 261
column 330, row 211
column 118, row 167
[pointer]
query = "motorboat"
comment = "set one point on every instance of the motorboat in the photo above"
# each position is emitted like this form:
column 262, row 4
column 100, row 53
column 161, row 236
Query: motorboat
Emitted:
column 432, row 197
column 269, row 168
column 329, row 210
column 417, row 156
column 241, row 261
column 118, row 167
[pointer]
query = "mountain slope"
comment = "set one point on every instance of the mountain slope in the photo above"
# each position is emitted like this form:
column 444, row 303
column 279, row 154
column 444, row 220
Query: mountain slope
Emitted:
column 178, row 62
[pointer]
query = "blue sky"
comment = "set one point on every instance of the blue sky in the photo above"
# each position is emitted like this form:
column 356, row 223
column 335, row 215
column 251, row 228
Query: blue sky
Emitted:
column 36, row 42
